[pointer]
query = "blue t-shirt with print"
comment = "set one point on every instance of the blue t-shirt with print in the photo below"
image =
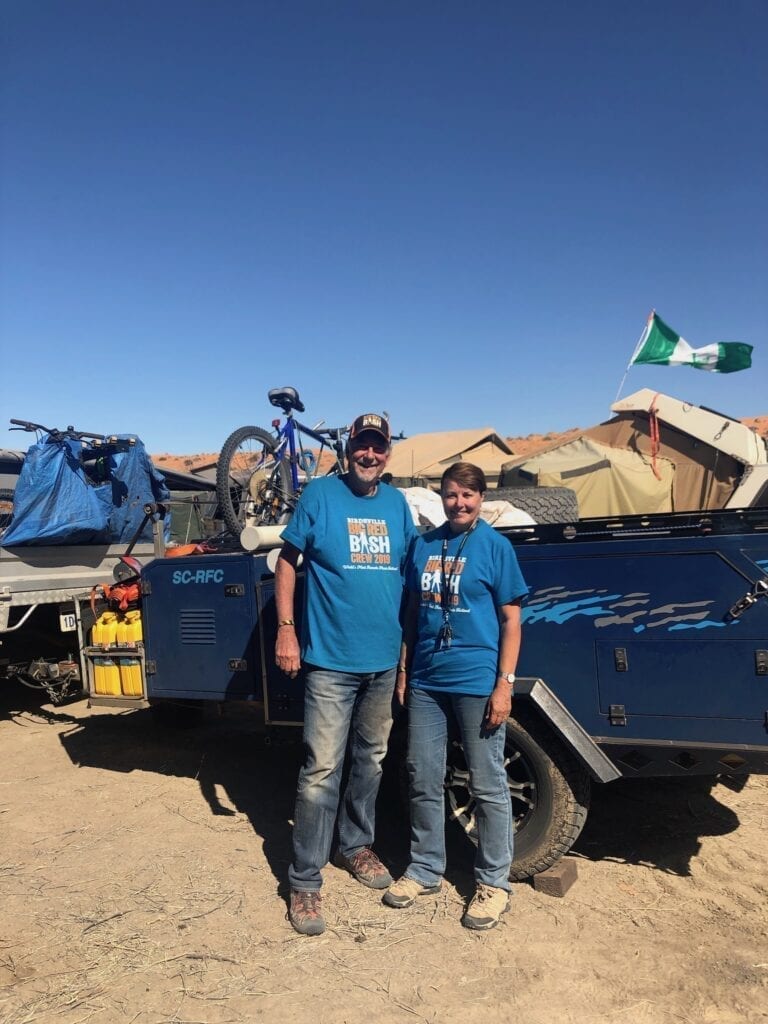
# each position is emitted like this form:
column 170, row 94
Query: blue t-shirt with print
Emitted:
column 354, row 556
column 487, row 576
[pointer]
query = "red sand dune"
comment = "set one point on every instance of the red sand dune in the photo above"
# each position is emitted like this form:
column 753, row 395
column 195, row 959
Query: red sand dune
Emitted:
column 519, row 445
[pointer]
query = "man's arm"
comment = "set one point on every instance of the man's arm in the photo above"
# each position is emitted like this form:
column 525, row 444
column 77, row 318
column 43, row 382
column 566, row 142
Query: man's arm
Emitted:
column 287, row 653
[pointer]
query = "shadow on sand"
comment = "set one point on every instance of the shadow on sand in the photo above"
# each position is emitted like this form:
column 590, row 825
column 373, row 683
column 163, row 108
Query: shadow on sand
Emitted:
column 655, row 822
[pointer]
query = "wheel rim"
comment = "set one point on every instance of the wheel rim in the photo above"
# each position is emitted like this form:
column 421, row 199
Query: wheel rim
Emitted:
column 521, row 780
column 255, row 484
column 6, row 507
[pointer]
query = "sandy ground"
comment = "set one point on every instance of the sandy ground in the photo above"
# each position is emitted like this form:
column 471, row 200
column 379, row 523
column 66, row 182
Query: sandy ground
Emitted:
column 142, row 880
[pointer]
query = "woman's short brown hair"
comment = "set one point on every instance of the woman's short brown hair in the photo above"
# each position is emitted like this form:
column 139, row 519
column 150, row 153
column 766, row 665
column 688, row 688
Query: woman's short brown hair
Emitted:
column 466, row 475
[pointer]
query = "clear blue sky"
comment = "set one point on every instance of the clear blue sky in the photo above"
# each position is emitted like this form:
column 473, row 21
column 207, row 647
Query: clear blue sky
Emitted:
column 459, row 213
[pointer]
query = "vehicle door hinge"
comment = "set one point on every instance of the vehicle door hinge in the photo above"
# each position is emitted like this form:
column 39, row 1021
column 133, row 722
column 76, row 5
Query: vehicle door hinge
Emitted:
column 759, row 589
column 761, row 663
column 150, row 667
column 617, row 714
column 146, row 588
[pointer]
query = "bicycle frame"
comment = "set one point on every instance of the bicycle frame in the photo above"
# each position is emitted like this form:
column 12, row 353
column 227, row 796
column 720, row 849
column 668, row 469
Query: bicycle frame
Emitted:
column 287, row 435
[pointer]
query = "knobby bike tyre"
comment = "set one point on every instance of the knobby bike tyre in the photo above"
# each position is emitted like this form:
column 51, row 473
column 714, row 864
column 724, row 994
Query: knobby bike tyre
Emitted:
column 550, row 792
column 253, row 488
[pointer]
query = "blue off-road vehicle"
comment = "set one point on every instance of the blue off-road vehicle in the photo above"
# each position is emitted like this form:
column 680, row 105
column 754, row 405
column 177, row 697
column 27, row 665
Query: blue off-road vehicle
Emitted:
column 645, row 653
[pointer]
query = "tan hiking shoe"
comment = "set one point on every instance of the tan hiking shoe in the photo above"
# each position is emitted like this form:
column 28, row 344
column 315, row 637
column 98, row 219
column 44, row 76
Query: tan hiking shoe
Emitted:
column 404, row 891
column 485, row 908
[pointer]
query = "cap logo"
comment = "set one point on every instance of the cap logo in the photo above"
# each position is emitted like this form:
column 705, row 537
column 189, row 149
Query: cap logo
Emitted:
column 371, row 421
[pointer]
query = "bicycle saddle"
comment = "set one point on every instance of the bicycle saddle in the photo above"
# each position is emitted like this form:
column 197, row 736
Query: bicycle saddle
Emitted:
column 285, row 399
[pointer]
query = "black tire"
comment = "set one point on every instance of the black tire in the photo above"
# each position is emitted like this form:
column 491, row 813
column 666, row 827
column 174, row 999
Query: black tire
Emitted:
column 545, row 504
column 550, row 794
column 6, row 507
column 252, row 487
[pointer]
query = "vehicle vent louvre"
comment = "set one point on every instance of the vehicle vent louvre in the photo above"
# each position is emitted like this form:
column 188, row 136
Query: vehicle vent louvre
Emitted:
column 197, row 626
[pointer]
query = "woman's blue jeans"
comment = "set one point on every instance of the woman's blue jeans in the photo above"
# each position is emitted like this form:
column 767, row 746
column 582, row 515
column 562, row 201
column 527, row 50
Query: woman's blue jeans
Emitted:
column 340, row 708
column 429, row 714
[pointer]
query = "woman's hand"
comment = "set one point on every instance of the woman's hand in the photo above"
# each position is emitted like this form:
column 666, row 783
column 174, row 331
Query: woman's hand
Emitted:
column 499, row 705
column 401, row 687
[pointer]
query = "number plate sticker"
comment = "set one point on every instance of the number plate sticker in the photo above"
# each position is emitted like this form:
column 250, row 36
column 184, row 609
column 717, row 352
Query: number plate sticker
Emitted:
column 67, row 622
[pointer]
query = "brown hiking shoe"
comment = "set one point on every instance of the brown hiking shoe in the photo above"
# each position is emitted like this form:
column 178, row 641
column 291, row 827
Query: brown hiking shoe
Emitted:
column 366, row 868
column 304, row 912
column 485, row 908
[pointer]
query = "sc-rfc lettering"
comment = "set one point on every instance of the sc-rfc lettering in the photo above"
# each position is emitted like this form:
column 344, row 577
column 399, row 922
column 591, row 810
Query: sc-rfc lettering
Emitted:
column 198, row 576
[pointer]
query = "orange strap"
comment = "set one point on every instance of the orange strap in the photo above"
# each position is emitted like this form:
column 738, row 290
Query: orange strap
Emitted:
column 121, row 594
column 189, row 549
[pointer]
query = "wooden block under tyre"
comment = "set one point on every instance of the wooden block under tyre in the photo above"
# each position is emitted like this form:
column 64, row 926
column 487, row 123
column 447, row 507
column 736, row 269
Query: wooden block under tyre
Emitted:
column 557, row 880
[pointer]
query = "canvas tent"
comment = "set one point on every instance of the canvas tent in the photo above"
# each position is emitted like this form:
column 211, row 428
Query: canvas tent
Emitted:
column 657, row 454
column 421, row 459
column 607, row 481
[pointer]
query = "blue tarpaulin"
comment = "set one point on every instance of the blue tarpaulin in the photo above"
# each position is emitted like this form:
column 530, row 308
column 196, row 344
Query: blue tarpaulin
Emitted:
column 76, row 492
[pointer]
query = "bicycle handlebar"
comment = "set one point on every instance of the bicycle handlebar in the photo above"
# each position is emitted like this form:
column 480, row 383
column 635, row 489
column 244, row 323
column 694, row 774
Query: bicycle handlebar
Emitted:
column 70, row 432
column 335, row 432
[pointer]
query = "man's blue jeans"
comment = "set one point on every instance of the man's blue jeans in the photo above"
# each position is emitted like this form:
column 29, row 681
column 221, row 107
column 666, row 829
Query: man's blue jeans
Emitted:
column 339, row 707
column 429, row 713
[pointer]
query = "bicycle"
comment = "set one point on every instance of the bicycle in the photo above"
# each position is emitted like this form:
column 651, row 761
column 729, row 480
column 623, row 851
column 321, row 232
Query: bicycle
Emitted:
column 94, row 450
column 259, row 476
column 70, row 434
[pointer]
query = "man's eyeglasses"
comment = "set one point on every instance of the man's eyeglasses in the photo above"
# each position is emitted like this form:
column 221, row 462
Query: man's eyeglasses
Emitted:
column 378, row 447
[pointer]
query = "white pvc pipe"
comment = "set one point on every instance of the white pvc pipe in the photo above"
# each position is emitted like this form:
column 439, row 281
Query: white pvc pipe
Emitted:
column 254, row 537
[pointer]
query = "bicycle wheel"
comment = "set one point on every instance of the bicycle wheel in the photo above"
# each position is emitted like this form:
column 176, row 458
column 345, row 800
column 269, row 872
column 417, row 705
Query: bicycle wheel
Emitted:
column 253, row 487
column 6, row 507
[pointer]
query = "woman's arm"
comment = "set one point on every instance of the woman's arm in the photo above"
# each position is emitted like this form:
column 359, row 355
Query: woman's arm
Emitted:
column 500, row 701
column 411, row 617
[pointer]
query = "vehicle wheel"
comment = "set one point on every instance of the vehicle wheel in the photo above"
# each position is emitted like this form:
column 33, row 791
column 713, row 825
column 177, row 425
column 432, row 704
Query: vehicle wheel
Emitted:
column 6, row 507
column 252, row 486
column 545, row 504
column 550, row 793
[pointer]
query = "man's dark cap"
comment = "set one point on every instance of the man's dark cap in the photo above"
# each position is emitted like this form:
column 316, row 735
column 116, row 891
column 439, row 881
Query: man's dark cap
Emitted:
column 370, row 421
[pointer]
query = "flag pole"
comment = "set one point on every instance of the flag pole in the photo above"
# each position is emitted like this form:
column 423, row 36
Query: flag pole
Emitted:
column 637, row 348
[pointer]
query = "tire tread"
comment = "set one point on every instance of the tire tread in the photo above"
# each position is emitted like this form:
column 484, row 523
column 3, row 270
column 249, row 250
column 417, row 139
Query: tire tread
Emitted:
column 545, row 504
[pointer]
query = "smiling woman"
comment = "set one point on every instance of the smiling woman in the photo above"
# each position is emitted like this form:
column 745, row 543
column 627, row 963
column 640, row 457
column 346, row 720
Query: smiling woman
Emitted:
column 460, row 648
column 463, row 490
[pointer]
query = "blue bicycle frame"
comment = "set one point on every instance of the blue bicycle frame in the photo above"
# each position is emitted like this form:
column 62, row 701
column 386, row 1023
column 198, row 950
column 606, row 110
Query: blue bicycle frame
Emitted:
column 287, row 435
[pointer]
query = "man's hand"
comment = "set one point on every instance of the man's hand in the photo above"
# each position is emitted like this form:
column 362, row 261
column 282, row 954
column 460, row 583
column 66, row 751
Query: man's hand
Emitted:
column 287, row 654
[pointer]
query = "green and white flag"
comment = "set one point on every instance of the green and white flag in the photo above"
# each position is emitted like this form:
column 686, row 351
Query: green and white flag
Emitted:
column 662, row 347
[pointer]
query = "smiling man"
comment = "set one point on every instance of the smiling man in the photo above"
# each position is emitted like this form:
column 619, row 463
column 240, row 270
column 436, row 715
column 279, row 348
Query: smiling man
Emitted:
column 353, row 532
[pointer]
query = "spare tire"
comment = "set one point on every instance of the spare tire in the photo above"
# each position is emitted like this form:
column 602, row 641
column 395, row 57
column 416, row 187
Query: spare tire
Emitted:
column 544, row 504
